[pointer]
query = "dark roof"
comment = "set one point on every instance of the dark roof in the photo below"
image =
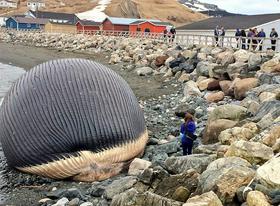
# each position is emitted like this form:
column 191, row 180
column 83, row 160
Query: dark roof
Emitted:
column 155, row 23
column 127, row 21
column 231, row 22
column 30, row 20
column 54, row 15
column 89, row 23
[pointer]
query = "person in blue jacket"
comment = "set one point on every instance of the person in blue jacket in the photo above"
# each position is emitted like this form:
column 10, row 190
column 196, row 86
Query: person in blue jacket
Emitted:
column 187, row 134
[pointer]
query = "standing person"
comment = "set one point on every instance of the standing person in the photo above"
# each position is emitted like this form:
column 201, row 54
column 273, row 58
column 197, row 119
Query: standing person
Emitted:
column 254, row 38
column 187, row 134
column 273, row 36
column 243, row 39
column 222, row 35
column 261, row 35
column 165, row 34
column 238, row 35
column 173, row 33
column 216, row 35
column 250, row 35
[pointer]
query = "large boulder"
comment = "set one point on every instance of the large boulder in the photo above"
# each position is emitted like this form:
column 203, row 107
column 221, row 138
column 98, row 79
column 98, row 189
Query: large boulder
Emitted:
column 191, row 89
column 272, row 136
column 215, row 97
column 234, row 70
column 228, row 111
column 168, row 185
column 271, row 66
column 213, row 85
column 257, row 198
column 202, row 68
column 189, row 54
column 225, row 58
column 224, row 176
column 226, row 87
column 206, row 199
column 222, row 118
column 202, row 83
column 242, row 55
column 254, row 152
column 119, row 186
column 199, row 162
column 133, row 197
column 137, row 166
column 160, row 60
column 254, row 60
column 244, row 85
column 269, row 174
column 214, row 128
column 246, row 132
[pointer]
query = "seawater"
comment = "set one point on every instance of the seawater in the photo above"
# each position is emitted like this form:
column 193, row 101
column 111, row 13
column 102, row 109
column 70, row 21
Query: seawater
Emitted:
column 8, row 75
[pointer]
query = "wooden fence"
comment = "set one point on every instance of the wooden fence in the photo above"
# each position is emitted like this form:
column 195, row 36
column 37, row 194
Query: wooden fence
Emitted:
column 253, row 44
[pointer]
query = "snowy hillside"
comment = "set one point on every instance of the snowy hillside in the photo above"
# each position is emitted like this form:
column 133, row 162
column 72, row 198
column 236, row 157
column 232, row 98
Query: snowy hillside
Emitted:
column 97, row 13
column 205, row 8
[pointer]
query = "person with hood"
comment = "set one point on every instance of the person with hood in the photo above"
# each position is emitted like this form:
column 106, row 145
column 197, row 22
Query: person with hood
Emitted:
column 273, row 36
column 187, row 134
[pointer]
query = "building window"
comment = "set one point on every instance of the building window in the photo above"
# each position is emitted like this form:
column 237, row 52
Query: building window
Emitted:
column 147, row 30
column 138, row 29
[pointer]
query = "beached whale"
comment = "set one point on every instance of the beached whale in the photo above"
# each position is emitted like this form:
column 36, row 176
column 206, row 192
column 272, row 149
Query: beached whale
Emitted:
column 71, row 118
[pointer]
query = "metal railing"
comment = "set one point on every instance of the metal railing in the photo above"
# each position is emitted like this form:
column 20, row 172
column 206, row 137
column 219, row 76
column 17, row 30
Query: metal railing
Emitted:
column 249, row 43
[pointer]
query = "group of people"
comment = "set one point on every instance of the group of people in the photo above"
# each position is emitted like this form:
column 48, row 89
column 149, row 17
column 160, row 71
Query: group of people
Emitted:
column 255, row 38
column 219, row 34
column 252, row 39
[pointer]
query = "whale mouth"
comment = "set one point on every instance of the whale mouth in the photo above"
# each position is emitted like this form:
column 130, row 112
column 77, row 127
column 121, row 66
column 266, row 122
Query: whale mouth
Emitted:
column 92, row 166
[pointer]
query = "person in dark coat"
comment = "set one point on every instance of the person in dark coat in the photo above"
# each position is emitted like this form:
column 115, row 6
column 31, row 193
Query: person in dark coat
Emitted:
column 173, row 33
column 261, row 35
column 216, row 35
column 238, row 35
column 187, row 134
column 243, row 39
column 273, row 36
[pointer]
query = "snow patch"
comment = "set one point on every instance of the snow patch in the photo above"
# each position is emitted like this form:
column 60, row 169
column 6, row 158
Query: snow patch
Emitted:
column 97, row 13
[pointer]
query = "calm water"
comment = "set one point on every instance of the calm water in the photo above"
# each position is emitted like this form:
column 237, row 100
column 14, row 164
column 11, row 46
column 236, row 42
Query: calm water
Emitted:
column 8, row 74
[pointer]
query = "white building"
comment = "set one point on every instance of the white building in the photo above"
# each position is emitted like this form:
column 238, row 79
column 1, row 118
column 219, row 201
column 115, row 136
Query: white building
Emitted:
column 8, row 4
column 35, row 5
column 231, row 23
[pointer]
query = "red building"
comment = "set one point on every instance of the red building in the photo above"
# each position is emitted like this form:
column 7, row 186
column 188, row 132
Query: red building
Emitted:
column 84, row 26
column 148, row 26
column 120, row 24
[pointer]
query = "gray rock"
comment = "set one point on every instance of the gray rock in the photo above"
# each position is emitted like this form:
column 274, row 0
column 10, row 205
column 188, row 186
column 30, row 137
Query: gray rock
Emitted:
column 55, row 194
column 199, row 162
column 270, row 107
column 86, row 204
column 168, row 185
column 220, row 175
column 73, row 193
column 133, row 197
column 119, row 186
column 62, row 202
column 144, row 71
column 74, row 202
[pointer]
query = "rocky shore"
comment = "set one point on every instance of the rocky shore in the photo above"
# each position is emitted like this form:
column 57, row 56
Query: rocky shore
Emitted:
column 235, row 98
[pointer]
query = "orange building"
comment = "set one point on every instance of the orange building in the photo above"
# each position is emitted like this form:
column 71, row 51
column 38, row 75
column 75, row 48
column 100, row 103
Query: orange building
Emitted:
column 147, row 26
